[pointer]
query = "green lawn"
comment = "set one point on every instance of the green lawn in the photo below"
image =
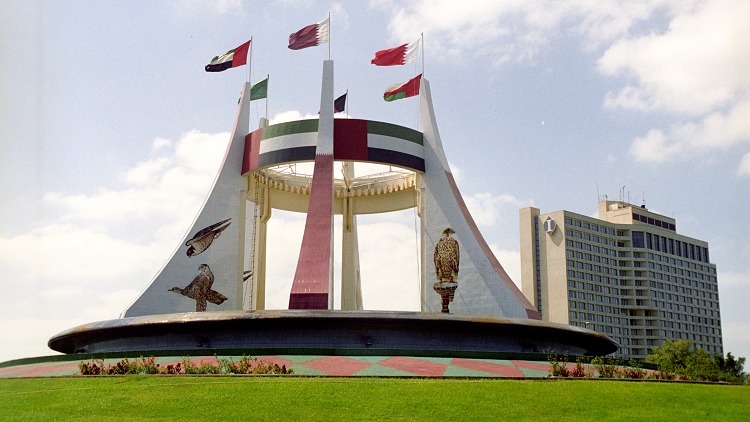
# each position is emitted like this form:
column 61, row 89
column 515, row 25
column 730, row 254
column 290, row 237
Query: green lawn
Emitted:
column 299, row 398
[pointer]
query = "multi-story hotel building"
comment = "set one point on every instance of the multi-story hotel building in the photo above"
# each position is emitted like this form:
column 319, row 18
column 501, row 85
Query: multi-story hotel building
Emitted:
column 627, row 274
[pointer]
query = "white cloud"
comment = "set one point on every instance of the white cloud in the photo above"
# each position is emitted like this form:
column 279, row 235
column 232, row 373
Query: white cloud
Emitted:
column 697, row 69
column 487, row 208
column 652, row 147
column 511, row 262
column 27, row 330
column 388, row 259
column 485, row 28
column 161, row 187
column 734, row 280
column 291, row 115
column 734, row 288
column 697, row 65
column 514, row 30
column 719, row 130
column 694, row 65
column 456, row 171
column 160, row 143
column 96, row 251
column 340, row 15
column 220, row 7
column 59, row 254
column 744, row 167
column 736, row 337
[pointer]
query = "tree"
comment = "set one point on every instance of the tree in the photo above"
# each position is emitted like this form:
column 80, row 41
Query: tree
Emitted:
column 672, row 356
column 682, row 359
column 731, row 366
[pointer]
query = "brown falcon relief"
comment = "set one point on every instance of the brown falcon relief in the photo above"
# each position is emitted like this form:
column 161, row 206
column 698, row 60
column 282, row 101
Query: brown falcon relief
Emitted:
column 200, row 289
column 446, row 260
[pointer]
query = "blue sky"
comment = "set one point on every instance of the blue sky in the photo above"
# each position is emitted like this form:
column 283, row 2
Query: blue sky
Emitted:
column 112, row 132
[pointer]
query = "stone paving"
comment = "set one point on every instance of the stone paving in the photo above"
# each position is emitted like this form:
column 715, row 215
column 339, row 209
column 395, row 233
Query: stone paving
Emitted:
column 311, row 365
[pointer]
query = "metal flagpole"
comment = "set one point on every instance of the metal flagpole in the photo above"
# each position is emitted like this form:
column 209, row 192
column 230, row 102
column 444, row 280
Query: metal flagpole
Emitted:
column 422, row 46
column 249, row 65
column 419, row 108
column 268, row 80
column 249, row 79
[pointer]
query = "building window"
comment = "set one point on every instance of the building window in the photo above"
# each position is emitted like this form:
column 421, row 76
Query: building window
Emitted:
column 637, row 238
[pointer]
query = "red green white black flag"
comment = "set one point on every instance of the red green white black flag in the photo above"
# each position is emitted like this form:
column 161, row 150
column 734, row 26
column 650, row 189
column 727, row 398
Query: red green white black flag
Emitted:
column 401, row 90
column 232, row 58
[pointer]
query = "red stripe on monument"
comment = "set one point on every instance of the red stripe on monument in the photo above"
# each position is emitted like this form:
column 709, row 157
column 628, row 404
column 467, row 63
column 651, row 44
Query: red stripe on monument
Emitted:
column 252, row 149
column 310, row 286
column 350, row 139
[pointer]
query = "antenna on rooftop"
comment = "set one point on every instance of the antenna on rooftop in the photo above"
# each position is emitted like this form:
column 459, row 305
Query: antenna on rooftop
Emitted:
column 598, row 198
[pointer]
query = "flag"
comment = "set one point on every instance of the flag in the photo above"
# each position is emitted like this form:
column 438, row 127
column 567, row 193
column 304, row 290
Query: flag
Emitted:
column 406, row 89
column 339, row 104
column 231, row 58
column 310, row 36
column 259, row 90
column 404, row 53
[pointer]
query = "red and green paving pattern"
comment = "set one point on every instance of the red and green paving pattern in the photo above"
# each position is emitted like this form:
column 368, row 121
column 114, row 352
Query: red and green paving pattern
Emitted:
column 377, row 366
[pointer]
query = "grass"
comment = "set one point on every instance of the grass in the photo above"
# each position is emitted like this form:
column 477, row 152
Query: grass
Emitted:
column 299, row 398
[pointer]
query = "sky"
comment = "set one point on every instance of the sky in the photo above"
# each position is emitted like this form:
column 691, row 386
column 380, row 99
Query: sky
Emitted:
column 112, row 132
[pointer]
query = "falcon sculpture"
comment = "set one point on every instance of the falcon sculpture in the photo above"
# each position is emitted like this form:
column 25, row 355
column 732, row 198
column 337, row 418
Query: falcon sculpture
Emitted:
column 200, row 289
column 203, row 239
column 446, row 257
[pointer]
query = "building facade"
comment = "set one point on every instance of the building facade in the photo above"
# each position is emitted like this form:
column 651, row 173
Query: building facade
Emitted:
column 626, row 274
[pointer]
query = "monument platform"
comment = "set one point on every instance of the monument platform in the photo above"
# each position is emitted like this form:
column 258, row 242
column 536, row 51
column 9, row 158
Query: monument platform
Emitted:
column 333, row 333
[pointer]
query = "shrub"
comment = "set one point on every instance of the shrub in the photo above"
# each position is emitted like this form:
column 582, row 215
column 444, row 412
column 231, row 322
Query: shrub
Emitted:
column 247, row 365
column 91, row 368
column 634, row 370
column 558, row 365
column 145, row 366
column 608, row 368
column 579, row 371
column 202, row 368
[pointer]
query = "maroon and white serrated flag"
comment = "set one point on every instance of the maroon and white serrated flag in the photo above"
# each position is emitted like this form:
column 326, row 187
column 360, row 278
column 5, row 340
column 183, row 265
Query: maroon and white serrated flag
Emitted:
column 311, row 35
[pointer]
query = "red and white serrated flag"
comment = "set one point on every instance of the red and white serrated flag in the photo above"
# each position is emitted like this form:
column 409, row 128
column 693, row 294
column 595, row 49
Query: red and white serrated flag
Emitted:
column 404, row 53
column 311, row 35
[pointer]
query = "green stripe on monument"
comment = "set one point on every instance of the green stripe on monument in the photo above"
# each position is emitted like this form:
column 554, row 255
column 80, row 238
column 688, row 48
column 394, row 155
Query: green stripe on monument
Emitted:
column 395, row 131
column 289, row 128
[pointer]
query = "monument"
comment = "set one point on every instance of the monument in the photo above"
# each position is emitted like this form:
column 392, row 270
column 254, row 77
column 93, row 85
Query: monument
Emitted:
column 211, row 293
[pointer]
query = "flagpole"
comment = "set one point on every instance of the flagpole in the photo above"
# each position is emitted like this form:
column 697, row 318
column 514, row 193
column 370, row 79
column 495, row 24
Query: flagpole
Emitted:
column 345, row 103
column 268, row 79
column 249, row 79
column 251, row 61
column 422, row 35
column 329, row 35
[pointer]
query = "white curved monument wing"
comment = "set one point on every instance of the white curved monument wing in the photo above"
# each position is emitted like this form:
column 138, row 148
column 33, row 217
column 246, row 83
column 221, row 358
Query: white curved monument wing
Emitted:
column 483, row 285
column 216, row 239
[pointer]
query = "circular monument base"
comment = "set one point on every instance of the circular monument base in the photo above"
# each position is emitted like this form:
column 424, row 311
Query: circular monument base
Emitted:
column 333, row 333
